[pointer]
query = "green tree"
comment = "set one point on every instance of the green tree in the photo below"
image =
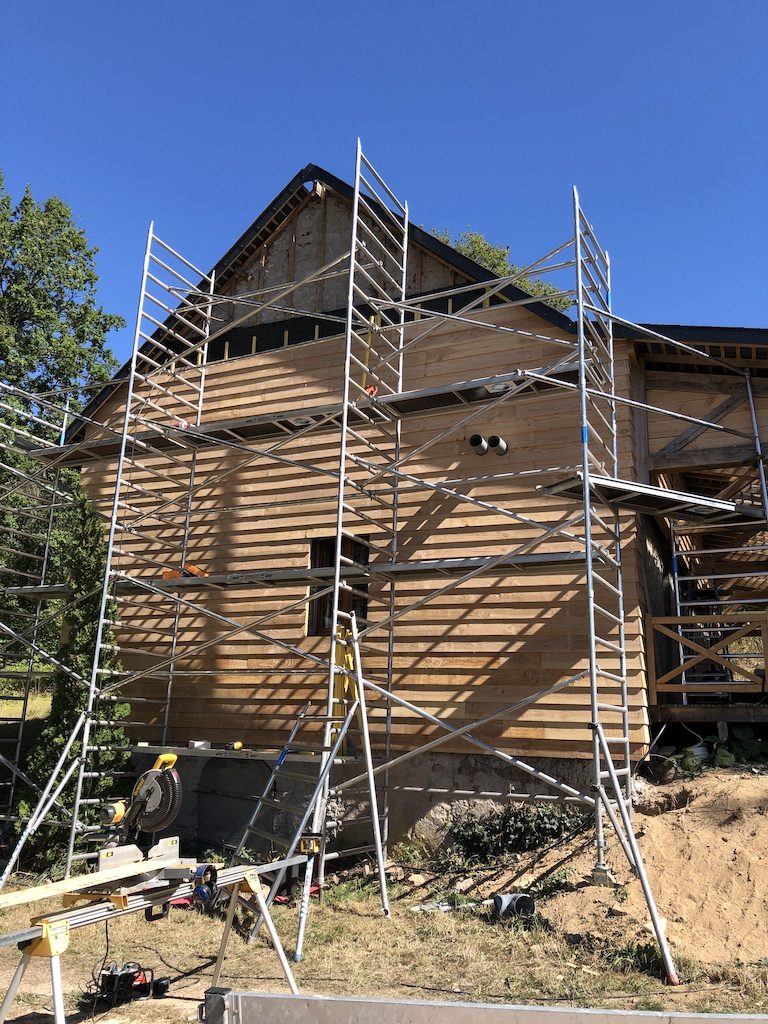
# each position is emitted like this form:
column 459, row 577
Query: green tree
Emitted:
column 53, row 334
column 53, row 348
column 495, row 258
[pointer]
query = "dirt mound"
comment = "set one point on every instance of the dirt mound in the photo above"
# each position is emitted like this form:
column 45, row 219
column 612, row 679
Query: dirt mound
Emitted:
column 654, row 800
column 709, row 865
column 705, row 846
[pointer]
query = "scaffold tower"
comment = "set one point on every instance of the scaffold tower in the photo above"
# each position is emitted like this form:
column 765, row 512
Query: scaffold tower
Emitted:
column 153, row 456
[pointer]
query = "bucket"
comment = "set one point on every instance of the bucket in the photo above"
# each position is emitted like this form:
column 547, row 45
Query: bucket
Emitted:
column 700, row 751
column 514, row 904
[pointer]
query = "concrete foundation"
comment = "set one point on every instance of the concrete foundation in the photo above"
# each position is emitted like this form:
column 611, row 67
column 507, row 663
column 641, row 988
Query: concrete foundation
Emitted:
column 220, row 790
column 427, row 792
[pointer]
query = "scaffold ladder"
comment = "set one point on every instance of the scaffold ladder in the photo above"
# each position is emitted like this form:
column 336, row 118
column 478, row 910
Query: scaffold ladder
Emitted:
column 700, row 586
column 602, row 529
column 303, row 763
column 150, row 506
column 370, row 437
column 609, row 723
column 30, row 497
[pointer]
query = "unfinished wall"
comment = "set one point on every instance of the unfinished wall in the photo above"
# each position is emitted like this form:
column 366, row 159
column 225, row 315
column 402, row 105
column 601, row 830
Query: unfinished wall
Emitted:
column 676, row 446
column 476, row 649
column 317, row 233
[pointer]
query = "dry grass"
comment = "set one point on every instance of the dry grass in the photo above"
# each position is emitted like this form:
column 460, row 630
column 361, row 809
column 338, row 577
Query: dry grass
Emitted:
column 589, row 946
column 38, row 706
column 351, row 950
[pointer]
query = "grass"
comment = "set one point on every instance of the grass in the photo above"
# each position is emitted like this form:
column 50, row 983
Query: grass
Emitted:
column 38, row 706
column 352, row 950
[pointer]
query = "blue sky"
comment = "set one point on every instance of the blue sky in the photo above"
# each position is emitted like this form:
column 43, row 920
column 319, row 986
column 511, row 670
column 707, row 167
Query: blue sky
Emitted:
column 481, row 115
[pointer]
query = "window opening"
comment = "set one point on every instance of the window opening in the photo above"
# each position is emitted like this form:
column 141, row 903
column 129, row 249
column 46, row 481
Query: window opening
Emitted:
column 322, row 555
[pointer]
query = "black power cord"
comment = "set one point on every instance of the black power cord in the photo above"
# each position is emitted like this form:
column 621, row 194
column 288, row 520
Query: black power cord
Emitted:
column 93, row 988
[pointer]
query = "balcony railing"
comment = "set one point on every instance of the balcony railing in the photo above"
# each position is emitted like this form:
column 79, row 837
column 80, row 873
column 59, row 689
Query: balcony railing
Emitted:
column 704, row 654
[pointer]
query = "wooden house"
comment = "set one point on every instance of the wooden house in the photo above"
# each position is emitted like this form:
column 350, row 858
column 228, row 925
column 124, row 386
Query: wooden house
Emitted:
column 257, row 536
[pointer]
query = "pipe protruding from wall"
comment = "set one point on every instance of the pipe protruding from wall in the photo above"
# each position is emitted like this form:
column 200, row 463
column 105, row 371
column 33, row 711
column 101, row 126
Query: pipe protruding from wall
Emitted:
column 478, row 443
column 498, row 445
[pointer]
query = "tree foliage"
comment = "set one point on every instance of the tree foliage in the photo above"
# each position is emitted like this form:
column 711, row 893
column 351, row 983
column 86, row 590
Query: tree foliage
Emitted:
column 53, row 334
column 53, row 349
column 495, row 258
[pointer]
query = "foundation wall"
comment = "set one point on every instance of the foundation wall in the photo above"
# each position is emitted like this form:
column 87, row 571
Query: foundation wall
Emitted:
column 425, row 794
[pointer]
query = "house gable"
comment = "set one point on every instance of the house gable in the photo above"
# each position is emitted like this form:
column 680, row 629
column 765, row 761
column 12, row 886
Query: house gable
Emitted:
column 306, row 226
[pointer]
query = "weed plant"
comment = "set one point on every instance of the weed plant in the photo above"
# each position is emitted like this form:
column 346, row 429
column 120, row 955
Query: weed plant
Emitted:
column 514, row 829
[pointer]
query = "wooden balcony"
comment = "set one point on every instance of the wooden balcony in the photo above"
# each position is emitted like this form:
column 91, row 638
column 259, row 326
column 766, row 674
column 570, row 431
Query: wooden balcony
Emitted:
column 707, row 654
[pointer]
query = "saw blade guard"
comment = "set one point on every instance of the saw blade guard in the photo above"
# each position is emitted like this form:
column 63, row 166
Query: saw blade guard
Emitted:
column 156, row 797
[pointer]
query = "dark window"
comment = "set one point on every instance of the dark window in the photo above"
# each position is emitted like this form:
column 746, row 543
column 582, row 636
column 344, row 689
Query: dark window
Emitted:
column 322, row 556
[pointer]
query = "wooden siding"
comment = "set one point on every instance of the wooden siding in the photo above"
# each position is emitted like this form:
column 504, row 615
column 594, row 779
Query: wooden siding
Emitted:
column 478, row 648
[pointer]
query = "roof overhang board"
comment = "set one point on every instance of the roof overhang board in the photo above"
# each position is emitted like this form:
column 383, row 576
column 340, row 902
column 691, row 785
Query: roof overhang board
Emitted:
column 656, row 501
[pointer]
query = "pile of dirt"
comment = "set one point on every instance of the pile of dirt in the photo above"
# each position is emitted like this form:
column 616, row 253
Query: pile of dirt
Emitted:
column 705, row 846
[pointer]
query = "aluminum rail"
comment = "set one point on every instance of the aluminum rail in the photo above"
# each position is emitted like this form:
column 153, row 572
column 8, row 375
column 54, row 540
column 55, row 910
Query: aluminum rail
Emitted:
column 231, row 1006
column 419, row 401
column 418, row 569
column 96, row 913
column 462, row 730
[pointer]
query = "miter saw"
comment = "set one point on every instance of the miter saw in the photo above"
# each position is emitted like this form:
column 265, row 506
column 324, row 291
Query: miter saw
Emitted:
column 153, row 805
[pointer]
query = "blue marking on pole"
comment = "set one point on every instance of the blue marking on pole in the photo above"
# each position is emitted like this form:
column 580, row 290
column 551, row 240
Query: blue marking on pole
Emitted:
column 584, row 434
column 674, row 564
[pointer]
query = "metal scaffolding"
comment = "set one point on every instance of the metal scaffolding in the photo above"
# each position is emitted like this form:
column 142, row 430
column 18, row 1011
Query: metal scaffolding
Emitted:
column 30, row 496
column 154, row 424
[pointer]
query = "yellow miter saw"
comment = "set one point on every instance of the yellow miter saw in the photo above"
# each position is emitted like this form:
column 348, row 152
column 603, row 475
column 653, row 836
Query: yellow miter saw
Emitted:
column 153, row 805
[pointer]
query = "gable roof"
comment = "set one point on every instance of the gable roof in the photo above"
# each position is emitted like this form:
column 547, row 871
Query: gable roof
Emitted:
column 280, row 209
column 251, row 238
column 295, row 192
